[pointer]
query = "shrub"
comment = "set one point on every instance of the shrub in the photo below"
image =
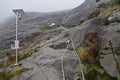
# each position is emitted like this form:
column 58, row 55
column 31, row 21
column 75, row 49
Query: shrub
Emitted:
column 88, row 43
column 97, row 0
column 45, row 27
column 93, row 74
column 24, row 54
column 89, row 50
column 59, row 46
column 5, row 76
column 6, row 62
column 94, row 13
column 93, row 47
column 27, row 52
column 66, row 35
column 16, row 71
column 118, row 77
column 102, row 5
column 82, row 52
column 86, row 57
column 109, row 9
column 91, row 34
column 114, row 2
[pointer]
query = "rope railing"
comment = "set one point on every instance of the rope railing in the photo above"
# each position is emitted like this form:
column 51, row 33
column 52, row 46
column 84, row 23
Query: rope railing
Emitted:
column 62, row 62
column 80, row 64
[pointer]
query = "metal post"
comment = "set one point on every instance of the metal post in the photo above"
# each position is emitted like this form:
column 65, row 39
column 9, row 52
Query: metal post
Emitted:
column 16, row 38
column 19, row 14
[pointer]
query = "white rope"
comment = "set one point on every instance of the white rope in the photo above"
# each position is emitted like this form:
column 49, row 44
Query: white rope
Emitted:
column 62, row 64
column 81, row 69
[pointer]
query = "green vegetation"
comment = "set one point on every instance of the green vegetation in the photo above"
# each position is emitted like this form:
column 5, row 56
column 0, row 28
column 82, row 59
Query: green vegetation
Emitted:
column 5, row 75
column 82, row 52
column 109, row 9
column 97, row 0
column 45, row 27
column 94, row 13
column 89, row 54
column 118, row 78
column 16, row 71
column 8, row 75
column 11, row 60
column 105, row 9
column 27, row 52
column 22, row 55
column 93, row 74
column 59, row 46
column 6, row 62
column 114, row 2
column 66, row 35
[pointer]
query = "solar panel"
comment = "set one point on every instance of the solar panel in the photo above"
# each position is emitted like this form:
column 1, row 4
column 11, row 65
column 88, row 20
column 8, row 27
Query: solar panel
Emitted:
column 21, row 13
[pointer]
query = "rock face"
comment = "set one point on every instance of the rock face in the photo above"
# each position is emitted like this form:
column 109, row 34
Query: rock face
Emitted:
column 79, row 32
column 34, row 20
column 47, row 61
column 110, row 33
column 46, row 65
column 114, row 16
column 79, row 14
column 106, row 34
column 109, row 64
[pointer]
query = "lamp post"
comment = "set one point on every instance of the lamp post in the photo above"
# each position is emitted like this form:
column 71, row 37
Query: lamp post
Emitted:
column 19, row 14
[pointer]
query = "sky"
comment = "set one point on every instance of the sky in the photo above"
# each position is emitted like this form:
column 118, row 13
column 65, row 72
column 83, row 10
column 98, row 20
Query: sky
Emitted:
column 6, row 6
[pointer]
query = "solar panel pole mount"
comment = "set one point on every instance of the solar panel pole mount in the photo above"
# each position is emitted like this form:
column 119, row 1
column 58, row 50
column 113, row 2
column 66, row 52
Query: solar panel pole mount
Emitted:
column 19, row 14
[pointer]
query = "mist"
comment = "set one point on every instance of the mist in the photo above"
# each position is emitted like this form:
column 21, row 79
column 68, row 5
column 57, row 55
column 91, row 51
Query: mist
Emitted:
column 6, row 6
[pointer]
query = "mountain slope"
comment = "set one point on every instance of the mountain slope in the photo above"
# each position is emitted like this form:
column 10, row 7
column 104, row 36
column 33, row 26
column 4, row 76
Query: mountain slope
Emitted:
column 92, row 47
column 80, row 13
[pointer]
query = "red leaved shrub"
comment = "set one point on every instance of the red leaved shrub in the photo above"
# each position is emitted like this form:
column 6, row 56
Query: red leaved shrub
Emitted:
column 85, row 56
column 93, row 47
column 88, row 58
column 91, row 34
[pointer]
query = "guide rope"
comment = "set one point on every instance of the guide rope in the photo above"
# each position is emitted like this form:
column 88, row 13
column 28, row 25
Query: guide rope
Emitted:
column 62, row 62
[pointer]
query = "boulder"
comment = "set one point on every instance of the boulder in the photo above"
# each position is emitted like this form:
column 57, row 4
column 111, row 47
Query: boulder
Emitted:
column 106, row 34
column 114, row 16
column 109, row 33
column 109, row 64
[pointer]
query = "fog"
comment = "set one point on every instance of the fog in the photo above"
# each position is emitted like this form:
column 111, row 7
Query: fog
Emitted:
column 6, row 6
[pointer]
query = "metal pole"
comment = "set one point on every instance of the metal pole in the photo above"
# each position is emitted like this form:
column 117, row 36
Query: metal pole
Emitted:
column 16, row 38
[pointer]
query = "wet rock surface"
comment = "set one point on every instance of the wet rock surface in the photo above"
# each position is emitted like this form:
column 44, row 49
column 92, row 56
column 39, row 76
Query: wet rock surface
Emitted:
column 46, row 65
column 45, row 62
column 109, row 64
column 114, row 16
